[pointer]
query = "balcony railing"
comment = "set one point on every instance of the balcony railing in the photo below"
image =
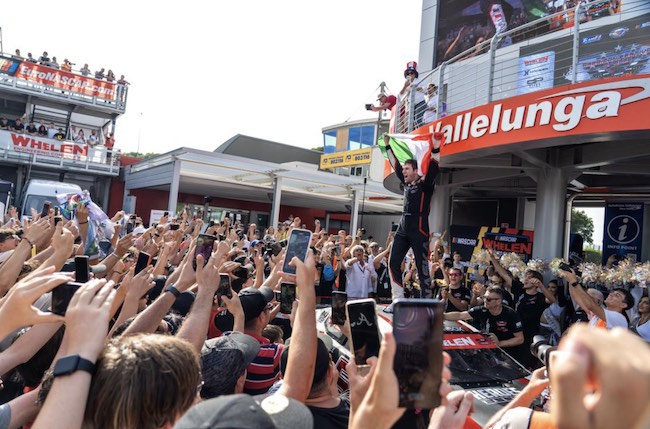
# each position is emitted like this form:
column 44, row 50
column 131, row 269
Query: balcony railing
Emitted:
column 527, row 59
column 16, row 148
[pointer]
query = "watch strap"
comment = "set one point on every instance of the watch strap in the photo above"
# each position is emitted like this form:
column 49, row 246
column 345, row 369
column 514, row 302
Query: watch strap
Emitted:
column 574, row 284
column 172, row 289
column 73, row 363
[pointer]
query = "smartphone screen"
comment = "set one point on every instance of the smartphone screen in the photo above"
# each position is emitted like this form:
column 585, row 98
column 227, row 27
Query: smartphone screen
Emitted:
column 46, row 208
column 224, row 288
column 173, row 226
column 81, row 268
column 143, row 261
column 57, row 219
column 393, row 228
column 56, row 211
column 364, row 329
column 61, row 296
column 338, row 307
column 204, row 246
column 418, row 328
column 287, row 297
column 129, row 227
column 298, row 244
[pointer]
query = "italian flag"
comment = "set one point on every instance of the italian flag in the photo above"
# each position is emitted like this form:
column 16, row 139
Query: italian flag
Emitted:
column 414, row 146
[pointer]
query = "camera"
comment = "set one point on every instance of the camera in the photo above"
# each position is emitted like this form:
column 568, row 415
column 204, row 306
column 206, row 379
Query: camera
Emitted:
column 368, row 106
column 541, row 349
column 274, row 248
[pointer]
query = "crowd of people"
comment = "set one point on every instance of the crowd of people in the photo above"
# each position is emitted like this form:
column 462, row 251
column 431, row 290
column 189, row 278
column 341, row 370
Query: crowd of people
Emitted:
column 66, row 65
column 23, row 126
column 164, row 347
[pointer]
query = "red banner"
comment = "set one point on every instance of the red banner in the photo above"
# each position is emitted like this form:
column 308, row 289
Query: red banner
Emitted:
column 66, row 81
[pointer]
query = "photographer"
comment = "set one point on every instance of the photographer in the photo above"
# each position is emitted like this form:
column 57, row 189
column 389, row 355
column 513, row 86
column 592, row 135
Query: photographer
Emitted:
column 386, row 102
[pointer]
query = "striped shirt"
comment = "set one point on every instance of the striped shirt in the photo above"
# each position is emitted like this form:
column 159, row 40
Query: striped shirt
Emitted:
column 265, row 368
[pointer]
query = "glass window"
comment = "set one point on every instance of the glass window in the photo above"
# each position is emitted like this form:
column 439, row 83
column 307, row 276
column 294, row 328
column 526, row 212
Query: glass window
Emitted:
column 361, row 137
column 329, row 142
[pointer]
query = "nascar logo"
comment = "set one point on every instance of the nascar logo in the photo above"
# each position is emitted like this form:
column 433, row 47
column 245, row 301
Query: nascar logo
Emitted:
column 618, row 32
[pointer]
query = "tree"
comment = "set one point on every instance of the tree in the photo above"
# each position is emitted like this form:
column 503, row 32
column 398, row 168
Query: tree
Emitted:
column 582, row 224
column 318, row 148
column 147, row 155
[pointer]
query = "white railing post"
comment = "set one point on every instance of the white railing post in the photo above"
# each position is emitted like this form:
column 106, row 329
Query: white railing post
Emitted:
column 576, row 42
column 441, row 80
column 493, row 51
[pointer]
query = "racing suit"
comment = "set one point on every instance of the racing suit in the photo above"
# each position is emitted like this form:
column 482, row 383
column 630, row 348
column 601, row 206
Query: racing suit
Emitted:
column 413, row 229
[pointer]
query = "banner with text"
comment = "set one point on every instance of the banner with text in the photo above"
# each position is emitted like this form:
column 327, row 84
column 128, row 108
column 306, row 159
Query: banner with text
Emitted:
column 343, row 159
column 67, row 81
column 623, row 230
column 468, row 240
column 42, row 146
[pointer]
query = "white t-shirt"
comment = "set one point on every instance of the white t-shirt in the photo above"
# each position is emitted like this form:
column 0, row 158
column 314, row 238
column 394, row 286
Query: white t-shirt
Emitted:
column 613, row 320
column 642, row 330
column 432, row 106
column 357, row 283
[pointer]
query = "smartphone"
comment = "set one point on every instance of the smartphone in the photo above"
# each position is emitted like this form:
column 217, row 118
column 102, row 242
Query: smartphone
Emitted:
column 368, row 106
column 82, row 269
column 364, row 331
column 204, row 246
column 61, row 296
column 418, row 329
column 277, row 295
column 46, row 208
column 56, row 211
column 287, row 297
column 297, row 245
column 174, row 226
column 165, row 214
column 129, row 227
column 338, row 307
column 57, row 219
column 143, row 261
column 394, row 227
column 224, row 288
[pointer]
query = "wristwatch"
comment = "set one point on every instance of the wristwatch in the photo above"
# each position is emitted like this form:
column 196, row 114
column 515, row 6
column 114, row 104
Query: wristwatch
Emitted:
column 574, row 284
column 69, row 364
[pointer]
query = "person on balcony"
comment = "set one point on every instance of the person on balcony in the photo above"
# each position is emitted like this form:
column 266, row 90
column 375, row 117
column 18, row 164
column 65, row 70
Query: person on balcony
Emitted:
column 430, row 113
column 413, row 88
column 4, row 124
column 92, row 138
column 60, row 135
column 42, row 128
column 80, row 137
column 386, row 103
column 44, row 60
column 51, row 130
column 54, row 64
column 31, row 129
column 85, row 71
column 17, row 126
column 31, row 59
column 99, row 74
column 66, row 66
column 110, row 76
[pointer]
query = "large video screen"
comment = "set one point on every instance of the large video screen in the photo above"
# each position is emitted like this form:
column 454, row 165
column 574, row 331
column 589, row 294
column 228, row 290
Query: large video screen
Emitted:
column 615, row 50
column 463, row 24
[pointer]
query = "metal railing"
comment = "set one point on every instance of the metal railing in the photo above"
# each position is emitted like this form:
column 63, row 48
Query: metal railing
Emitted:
column 490, row 71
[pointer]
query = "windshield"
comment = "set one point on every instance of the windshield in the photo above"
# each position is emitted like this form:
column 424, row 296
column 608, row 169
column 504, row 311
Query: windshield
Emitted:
column 472, row 367
column 36, row 202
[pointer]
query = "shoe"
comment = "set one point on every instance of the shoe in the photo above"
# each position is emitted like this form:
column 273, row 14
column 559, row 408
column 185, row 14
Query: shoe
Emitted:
column 389, row 309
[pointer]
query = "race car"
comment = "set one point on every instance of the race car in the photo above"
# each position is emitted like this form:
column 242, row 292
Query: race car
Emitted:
column 477, row 364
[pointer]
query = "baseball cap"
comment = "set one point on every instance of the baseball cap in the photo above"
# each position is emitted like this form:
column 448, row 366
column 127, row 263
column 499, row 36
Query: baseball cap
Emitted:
column 380, row 96
column 246, row 412
column 255, row 243
column 223, row 361
column 254, row 300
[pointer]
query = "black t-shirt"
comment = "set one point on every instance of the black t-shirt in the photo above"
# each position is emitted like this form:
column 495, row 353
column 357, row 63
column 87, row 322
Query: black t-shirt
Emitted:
column 331, row 418
column 503, row 325
column 508, row 299
column 59, row 136
column 530, row 309
column 31, row 128
column 517, row 291
column 42, row 130
column 462, row 294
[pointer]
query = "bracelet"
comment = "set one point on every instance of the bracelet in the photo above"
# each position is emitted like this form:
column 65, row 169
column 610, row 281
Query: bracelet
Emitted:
column 81, row 223
column 31, row 243
column 172, row 289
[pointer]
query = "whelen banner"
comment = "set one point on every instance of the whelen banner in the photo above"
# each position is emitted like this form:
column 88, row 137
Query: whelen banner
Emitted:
column 591, row 108
column 42, row 146
column 65, row 80
column 468, row 240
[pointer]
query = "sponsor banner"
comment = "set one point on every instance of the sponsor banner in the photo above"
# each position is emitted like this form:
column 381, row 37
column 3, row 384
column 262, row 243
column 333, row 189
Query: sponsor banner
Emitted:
column 156, row 215
column 623, row 230
column 342, row 159
column 466, row 341
column 612, row 105
column 536, row 72
column 65, row 80
column 468, row 240
column 42, row 146
column 8, row 65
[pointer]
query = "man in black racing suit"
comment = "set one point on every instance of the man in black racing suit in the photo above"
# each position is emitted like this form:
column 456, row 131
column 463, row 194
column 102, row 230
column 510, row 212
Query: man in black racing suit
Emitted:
column 413, row 229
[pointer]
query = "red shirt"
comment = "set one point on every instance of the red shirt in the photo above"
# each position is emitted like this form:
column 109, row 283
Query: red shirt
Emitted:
column 392, row 101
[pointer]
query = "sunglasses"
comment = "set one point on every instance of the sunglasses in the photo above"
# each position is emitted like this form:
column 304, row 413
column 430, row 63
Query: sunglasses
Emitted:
column 454, row 275
column 488, row 299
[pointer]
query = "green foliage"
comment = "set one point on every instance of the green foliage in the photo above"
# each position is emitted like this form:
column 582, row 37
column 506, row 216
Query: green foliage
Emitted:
column 582, row 224
column 593, row 255
column 318, row 148
column 147, row 155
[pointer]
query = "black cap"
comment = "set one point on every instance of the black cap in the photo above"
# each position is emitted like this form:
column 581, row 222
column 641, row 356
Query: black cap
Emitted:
column 254, row 301
column 245, row 412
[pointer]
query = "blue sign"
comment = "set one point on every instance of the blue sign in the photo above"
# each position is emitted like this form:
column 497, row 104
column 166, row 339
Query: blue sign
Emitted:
column 623, row 230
